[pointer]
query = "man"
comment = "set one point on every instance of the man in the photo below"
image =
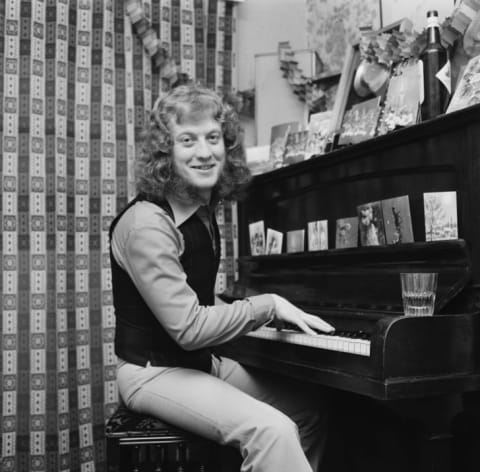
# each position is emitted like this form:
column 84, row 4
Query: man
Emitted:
column 164, row 256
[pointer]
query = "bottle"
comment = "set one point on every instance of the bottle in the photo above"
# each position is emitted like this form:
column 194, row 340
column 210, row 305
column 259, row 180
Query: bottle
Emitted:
column 434, row 58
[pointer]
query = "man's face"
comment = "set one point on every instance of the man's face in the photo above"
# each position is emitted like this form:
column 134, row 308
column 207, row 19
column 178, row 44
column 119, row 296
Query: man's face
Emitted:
column 198, row 152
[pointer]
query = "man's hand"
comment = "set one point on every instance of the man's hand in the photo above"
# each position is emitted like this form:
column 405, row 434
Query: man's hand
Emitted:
column 289, row 313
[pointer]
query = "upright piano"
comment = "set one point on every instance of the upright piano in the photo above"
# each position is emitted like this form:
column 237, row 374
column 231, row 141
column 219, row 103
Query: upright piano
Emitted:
column 422, row 365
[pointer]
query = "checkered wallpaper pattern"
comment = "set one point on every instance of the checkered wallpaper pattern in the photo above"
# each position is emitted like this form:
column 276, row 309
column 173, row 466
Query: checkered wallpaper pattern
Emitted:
column 76, row 87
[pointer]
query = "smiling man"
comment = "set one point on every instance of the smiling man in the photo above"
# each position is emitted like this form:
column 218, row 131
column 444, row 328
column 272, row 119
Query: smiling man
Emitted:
column 164, row 252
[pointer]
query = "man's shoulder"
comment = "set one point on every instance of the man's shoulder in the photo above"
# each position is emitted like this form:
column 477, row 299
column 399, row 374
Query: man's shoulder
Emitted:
column 146, row 213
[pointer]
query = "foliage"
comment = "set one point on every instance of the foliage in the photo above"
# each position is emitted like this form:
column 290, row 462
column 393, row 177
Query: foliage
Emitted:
column 390, row 47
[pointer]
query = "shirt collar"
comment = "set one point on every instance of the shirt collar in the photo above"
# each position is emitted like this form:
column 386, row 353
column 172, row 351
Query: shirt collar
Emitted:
column 182, row 212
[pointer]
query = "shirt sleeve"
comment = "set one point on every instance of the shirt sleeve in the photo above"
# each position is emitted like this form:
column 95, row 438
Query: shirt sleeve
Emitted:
column 148, row 246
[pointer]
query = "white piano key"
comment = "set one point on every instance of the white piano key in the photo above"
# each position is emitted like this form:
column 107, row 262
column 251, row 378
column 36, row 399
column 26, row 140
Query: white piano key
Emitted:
column 329, row 342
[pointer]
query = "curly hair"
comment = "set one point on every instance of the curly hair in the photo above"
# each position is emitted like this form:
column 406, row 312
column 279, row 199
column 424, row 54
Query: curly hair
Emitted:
column 154, row 169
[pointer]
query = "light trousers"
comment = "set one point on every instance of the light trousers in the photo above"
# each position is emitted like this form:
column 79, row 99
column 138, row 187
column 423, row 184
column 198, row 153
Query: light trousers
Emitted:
column 276, row 425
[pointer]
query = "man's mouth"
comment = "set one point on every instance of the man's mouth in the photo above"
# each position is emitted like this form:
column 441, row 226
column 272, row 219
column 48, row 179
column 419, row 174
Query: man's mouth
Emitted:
column 204, row 167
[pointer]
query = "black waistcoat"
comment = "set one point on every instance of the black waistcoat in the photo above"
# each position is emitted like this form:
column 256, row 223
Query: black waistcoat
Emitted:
column 139, row 336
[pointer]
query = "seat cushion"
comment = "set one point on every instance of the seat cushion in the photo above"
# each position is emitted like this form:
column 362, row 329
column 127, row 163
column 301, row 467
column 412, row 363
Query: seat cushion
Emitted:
column 125, row 422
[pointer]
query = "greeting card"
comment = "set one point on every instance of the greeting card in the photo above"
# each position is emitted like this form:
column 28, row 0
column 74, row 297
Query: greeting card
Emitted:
column 360, row 122
column 440, row 215
column 346, row 234
column 317, row 235
column 257, row 237
column 404, row 95
column 274, row 242
column 296, row 240
column 278, row 141
column 295, row 147
column 319, row 133
column 370, row 224
column 467, row 92
column 397, row 220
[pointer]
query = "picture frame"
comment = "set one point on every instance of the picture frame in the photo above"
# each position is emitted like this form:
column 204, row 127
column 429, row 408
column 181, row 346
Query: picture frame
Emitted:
column 351, row 62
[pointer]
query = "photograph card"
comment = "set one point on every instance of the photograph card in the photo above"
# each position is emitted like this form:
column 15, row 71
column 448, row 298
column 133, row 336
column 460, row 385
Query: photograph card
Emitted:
column 258, row 159
column 440, row 215
column 346, row 234
column 319, row 133
column 257, row 237
column 278, row 142
column 296, row 240
column 397, row 220
column 467, row 92
column 404, row 95
column 318, row 235
column 370, row 224
column 360, row 122
column 274, row 242
column 295, row 147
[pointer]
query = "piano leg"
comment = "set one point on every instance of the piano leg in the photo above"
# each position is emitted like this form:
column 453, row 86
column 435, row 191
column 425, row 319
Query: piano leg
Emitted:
column 435, row 415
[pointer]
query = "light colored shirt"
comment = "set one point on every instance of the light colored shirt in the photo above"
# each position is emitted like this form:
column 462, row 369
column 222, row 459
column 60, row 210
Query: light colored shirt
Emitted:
column 148, row 245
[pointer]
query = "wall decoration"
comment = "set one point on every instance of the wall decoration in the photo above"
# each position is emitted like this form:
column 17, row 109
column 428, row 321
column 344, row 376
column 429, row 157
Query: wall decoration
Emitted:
column 332, row 25
column 416, row 10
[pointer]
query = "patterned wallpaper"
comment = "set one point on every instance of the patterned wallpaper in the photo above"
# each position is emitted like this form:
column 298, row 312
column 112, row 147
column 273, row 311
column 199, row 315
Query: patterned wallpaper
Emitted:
column 76, row 87
column 333, row 24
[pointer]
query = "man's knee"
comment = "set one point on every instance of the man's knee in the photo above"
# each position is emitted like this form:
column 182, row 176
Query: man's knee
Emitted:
column 278, row 427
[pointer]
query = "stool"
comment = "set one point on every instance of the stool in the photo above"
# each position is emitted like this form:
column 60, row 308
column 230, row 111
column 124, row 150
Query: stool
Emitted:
column 142, row 443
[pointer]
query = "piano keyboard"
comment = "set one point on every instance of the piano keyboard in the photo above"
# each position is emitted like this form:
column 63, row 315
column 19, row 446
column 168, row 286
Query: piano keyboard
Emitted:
column 329, row 342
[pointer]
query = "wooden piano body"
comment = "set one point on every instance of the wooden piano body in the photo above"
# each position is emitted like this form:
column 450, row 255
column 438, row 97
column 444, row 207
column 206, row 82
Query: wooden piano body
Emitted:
column 417, row 361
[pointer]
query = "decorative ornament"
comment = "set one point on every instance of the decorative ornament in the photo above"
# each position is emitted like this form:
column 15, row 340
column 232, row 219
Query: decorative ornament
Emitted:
column 308, row 89
column 161, row 61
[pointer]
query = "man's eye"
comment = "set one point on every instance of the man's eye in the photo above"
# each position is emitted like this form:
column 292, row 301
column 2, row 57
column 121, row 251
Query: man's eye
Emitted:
column 186, row 140
column 214, row 138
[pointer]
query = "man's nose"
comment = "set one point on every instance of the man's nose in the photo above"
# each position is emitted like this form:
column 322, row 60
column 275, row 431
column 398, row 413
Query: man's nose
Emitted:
column 203, row 148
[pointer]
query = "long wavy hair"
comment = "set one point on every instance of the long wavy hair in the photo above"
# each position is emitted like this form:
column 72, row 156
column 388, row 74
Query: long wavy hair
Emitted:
column 154, row 170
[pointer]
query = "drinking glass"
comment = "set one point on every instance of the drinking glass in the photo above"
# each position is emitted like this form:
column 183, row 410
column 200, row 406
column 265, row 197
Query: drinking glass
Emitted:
column 418, row 293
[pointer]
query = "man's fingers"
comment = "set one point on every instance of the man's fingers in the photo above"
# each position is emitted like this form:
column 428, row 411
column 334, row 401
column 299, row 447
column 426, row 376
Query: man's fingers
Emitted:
column 317, row 323
column 305, row 328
